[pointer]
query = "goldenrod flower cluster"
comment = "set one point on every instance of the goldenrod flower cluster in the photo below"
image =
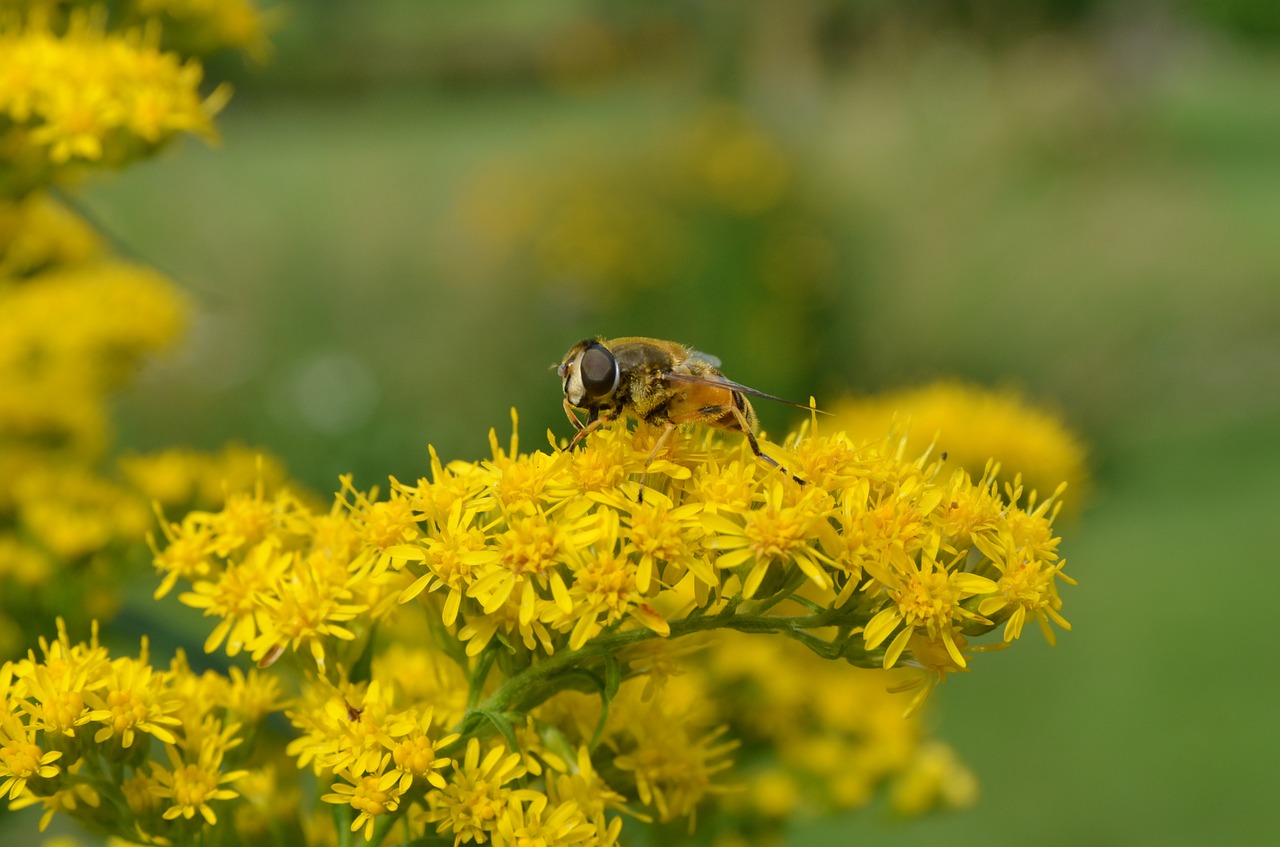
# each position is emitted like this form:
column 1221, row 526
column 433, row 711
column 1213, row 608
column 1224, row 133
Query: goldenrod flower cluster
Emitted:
column 79, row 731
column 554, row 689
column 75, row 324
column 80, row 88
column 85, row 95
column 546, row 647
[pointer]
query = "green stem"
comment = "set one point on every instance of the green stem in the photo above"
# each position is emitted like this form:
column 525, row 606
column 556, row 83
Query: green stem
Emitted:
column 538, row 682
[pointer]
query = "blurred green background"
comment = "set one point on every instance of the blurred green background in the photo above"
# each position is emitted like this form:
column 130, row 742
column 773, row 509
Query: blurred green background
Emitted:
column 418, row 207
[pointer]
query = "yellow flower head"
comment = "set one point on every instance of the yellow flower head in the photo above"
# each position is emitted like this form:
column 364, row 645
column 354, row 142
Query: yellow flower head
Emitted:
column 133, row 698
column 190, row 786
column 974, row 425
column 86, row 95
column 476, row 796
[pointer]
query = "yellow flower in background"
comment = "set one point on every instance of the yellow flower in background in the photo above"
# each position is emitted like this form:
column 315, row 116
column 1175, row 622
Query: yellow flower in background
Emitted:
column 202, row 27
column 91, row 96
column 180, row 478
column 665, row 748
column 38, row 233
column 935, row 778
column 974, row 425
column 70, row 335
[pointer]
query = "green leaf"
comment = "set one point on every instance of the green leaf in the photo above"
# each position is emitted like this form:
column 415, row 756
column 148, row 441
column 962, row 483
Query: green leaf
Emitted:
column 503, row 724
column 612, row 678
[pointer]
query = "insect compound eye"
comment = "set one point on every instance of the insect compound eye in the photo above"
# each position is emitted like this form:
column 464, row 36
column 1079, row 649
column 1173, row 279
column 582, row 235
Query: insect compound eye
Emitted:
column 598, row 370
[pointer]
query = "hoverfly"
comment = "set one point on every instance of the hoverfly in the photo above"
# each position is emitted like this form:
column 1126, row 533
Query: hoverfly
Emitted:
column 658, row 382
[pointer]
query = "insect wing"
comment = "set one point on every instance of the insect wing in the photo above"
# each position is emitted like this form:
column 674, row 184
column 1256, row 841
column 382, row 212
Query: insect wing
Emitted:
column 723, row 382
column 704, row 358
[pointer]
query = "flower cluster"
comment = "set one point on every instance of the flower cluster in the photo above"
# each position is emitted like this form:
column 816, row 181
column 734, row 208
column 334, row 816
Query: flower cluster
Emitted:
column 81, row 94
column 74, row 326
column 556, row 590
column 813, row 748
column 203, row 27
column 78, row 730
column 79, row 87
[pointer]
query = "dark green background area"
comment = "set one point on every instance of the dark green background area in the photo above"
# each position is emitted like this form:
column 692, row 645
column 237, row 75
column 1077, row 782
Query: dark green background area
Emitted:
column 1083, row 203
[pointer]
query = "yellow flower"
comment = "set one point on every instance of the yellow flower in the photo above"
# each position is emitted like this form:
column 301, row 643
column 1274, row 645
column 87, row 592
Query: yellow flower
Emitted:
column 673, row 763
column 934, row 778
column 347, row 729
column 774, row 534
column 252, row 696
column 188, row 553
column 926, row 595
column 371, row 794
column 476, row 796
column 194, row 479
column 1027, row 586
column 666, row 543
column 480, row 631
column 236, row 595
column 190, row 787
column 414, row 752
column 583, row 785
column 604, row 590
column 539, row 573
column 454, row 555
column 68, row 799
column 89, row 95
column 531, row 825
column 459, row 485
column 423, row 674
column 381, row 524
column 134, row 698
column 73, row 512
column 208, row 26
column 38, row 233
column 21, row 758
column 53, row 692
column 303, row 607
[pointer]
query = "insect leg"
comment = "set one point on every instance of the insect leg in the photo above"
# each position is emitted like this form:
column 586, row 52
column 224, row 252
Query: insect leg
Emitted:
column 593, row 423
column 657, row 447
column 755, row 445
column 573, row 419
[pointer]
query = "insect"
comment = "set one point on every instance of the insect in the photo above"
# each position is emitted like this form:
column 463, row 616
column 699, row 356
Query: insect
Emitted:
column 658, row 382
